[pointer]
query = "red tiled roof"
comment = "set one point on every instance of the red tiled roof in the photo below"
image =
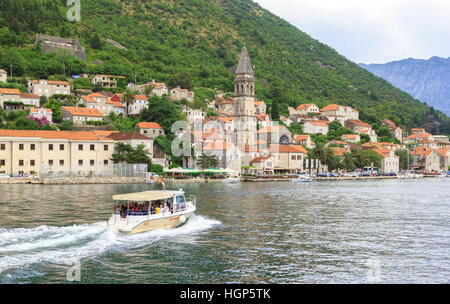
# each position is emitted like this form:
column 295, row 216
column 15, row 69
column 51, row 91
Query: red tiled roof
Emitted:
column 83, row 111
column 287, row 149
column 26, row 95
column 9, row 91
column 149, row 125
column 71, row 135
column 305, row 106
column 127, row 136
column 218, row 145
column 46, row 110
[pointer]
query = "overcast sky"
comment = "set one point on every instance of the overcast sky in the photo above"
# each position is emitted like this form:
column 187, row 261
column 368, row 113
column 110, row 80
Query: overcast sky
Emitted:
column 372, row 31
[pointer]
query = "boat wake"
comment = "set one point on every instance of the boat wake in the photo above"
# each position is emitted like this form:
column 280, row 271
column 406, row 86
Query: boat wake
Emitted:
column 62, row 245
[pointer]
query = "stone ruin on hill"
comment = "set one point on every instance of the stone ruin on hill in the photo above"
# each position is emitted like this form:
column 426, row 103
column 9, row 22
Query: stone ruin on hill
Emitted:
column 71, row 46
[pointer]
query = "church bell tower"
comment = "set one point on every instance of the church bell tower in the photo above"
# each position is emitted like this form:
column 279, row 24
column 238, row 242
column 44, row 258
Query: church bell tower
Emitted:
column 244, row 99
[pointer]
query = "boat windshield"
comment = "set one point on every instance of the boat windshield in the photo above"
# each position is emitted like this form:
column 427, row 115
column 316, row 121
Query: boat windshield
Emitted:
column 164, row 206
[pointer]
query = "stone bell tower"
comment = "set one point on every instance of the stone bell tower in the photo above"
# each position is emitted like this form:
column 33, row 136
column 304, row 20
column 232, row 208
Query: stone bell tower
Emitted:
column 244, row 100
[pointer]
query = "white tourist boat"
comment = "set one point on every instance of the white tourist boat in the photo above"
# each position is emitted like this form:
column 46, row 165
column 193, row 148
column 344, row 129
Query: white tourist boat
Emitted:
column 302, row 178
column 150, row 210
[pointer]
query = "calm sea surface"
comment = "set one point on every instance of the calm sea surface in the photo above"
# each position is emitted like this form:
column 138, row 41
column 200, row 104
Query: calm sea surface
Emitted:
column 384, row 231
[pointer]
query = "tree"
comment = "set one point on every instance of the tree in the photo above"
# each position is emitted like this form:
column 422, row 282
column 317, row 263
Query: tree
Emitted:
column 125, row 153
column 162, row 111
column 275, row 113
column 403, row 159
column 129, row 98
column 66, row 125
column 207, row 161
column 181, row 79
column 96, row 43
column 365, row 158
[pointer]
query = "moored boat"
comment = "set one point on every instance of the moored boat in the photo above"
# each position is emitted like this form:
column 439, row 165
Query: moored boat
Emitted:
column 302, row 178
column 230, row 180
column 150, row 210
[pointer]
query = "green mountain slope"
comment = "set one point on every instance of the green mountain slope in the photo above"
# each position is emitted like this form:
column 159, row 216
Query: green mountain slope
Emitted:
column 203, row 38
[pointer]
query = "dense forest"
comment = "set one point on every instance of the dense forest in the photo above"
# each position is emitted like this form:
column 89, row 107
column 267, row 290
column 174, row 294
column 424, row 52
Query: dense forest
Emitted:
column 202, row 39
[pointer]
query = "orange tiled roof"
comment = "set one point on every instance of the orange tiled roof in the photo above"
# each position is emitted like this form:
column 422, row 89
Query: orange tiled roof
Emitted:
column 300, row 137
column 218, row 145
column 149, row 125
column 287, row 149
column 350, row 135
column 26, row 95
column 359, row 123
column 71, row 135
column 443, row 152
column 305, row 106
column 58, row 82
column 9, row 91
column 269, row 129
column 258, row 103
column 83, row 111
column 140, row 97
column 339, row 151
column 259, row 159
column 321, row 123
column 46, row 110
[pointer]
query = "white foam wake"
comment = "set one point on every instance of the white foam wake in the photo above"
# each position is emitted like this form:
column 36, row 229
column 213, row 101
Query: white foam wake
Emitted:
column 62, row 245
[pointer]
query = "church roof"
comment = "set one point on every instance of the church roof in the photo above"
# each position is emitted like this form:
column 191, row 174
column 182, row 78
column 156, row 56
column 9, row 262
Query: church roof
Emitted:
column 244, row 65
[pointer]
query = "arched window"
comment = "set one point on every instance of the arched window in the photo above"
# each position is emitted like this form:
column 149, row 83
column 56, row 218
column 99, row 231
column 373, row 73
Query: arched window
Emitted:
column 284, row 140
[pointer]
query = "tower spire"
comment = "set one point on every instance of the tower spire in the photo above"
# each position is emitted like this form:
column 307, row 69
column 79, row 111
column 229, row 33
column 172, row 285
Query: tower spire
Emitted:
column 244, row 65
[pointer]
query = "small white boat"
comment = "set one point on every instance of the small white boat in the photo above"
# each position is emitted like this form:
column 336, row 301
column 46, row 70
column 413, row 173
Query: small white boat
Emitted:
column 302, row 178
column 150, row 210
column 150, row 182
column 230, row 180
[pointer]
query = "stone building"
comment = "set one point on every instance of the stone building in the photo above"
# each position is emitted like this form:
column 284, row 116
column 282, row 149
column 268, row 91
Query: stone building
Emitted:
column 339, row 113
column 53, row 152
column 40, row 112
column 316, row 127
column 150, row 129
column 3, row 76
column 48, row 88
column 81, row 115
column 70, row 46
column 178, row 93
column 9, row 95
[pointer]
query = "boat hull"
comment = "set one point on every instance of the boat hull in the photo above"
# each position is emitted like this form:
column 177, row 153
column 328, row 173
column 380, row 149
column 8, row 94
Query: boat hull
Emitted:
column 161, row 223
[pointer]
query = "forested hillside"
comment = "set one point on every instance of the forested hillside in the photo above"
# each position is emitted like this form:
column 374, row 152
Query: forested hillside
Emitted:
column 202, row 38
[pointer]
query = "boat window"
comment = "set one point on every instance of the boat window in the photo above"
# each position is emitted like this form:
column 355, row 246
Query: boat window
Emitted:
column 180, row 199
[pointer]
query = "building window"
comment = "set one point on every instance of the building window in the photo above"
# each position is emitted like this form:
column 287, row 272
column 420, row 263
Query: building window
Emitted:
column 61, row 162
column 105, row 162
column 105, row 147
column 2, row 162
column 32, row 162
column 50, row 147
column 50, row 162
column 61, row 147
column 32, row 147
column 21, row 162
column 293, row 157
column 80, row 147
column 21, row 146
column 80, row 162
column 92, row 147
column 2, row 147
column 92, row 162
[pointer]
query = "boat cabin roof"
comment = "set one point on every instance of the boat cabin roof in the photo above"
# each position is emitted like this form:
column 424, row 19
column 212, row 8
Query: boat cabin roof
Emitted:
column 146, row 196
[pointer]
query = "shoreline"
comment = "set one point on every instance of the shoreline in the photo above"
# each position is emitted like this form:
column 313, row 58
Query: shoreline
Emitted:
column 124, row 180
